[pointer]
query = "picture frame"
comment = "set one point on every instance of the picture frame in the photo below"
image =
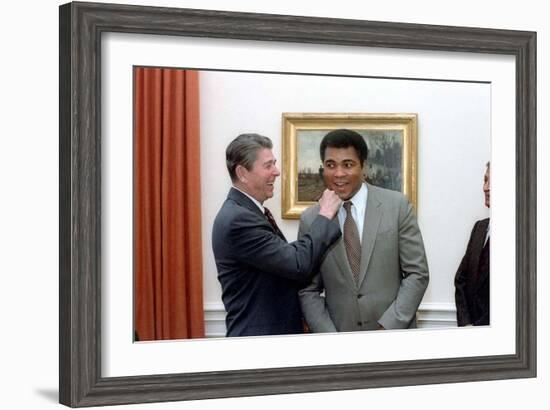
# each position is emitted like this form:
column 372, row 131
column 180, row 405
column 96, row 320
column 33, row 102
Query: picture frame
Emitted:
column 81, row 27
column 395, row 169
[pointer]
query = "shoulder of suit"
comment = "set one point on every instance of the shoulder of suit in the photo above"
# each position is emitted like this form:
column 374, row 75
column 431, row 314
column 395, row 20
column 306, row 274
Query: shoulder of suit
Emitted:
column 310, row 212
column 385, row 194
column 482, row 223
column 236, row 210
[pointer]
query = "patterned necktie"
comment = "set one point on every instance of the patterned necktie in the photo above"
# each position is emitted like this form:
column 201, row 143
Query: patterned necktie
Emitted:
column 271, row 220
column 352, row 242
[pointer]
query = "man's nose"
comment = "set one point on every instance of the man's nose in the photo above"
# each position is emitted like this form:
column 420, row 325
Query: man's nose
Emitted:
column 339, row 171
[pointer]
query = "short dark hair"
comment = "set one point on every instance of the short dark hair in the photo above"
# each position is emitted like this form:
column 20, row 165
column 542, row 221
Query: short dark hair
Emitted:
column 344, row 138
column 243, row 150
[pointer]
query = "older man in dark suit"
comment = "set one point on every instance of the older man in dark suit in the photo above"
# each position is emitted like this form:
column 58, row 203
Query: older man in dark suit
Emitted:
column 259, row 271
column 472, row 277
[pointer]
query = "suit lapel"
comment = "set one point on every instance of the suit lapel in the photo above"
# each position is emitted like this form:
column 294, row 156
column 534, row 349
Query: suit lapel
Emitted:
column 243, row 200
column 373, row 215
column 479, row 240
column 480, row 235
column 341, row 261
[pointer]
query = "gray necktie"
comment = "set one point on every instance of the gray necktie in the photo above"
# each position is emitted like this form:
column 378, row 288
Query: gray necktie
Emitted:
column 352, row 242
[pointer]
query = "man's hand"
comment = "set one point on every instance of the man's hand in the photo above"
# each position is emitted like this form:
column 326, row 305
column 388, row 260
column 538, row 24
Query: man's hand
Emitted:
column 330, row 204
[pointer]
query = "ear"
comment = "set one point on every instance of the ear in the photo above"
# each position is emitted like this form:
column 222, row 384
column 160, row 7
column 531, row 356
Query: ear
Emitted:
column 241, row 172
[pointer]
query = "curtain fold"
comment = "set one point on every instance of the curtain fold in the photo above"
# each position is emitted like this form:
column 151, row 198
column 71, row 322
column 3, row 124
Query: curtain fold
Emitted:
column 168, row 300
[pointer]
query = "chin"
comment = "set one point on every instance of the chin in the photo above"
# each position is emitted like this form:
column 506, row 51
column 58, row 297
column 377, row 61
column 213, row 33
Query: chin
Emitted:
column 341, row 195
column 344, row 196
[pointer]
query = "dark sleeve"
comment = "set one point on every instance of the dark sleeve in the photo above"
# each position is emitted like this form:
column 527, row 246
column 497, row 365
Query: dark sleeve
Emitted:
column 312, row 302
column 483, row 320
column 461, row 280
column 257, row 246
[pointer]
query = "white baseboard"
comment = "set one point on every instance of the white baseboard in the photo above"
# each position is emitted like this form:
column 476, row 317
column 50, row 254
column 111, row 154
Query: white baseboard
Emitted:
column 436, row 315
column 430, row 315
column 214, row 320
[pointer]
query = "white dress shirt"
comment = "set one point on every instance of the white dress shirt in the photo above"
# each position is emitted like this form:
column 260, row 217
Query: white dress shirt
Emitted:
column 358, row 209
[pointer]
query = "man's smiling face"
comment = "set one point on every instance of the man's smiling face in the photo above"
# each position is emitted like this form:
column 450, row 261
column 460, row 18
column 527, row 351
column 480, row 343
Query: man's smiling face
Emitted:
column 259, row 181
column 343, row 171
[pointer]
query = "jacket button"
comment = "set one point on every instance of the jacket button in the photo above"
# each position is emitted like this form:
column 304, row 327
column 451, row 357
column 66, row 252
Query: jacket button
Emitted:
column 359, row 323
column 359, row 296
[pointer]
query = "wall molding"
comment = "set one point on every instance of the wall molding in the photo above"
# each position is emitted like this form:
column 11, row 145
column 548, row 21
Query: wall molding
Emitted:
column 214, row 320
column 436, row 315
column 430, row 315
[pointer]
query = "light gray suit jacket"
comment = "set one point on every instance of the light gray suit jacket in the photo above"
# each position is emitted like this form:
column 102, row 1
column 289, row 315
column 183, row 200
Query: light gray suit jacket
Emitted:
column 393, row 275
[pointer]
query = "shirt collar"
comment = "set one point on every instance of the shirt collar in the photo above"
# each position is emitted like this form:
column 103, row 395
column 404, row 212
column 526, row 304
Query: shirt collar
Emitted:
column 359, row 200
column 258, row 204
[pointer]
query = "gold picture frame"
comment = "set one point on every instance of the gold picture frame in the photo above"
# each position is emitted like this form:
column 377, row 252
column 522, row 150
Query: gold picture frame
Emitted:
column 390, row 135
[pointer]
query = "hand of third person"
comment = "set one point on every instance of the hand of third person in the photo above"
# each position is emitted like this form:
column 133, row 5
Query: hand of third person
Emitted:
column 330, row 204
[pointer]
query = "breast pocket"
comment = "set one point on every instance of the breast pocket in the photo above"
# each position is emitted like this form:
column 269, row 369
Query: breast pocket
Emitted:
column 387, row 238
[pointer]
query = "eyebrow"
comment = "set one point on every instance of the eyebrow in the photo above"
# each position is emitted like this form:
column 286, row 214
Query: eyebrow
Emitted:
column 343, row 161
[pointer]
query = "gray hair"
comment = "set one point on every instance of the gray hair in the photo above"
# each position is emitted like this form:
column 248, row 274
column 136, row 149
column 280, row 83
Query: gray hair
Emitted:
column 243, row 150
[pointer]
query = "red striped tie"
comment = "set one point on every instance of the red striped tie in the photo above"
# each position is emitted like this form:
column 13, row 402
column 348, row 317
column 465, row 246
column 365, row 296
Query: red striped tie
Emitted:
column 271, row 220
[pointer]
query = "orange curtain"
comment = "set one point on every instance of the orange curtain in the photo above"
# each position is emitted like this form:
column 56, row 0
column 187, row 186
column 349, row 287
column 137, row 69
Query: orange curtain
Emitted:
column 167, row 205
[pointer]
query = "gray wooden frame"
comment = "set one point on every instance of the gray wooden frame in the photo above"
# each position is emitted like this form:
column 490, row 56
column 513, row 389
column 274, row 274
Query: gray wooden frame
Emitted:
column 81, row 27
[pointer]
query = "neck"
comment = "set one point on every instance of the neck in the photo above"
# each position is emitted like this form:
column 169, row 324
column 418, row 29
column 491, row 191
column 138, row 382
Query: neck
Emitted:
column 243, row 188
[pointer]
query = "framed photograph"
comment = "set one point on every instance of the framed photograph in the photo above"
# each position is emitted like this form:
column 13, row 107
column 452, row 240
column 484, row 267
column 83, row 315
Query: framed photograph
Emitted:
column 391, row 139
column 91, row 261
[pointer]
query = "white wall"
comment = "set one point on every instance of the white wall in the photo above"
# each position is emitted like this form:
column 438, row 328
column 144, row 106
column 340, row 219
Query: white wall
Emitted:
column 28, row 210
column 454, row 121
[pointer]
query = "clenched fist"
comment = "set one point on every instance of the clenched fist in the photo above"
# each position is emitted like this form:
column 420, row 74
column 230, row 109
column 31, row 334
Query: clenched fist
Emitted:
column 330, row 204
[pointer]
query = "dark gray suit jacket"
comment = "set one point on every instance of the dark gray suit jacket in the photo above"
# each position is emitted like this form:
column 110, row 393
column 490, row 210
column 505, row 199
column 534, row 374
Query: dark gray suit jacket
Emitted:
column 260, row 273
column 472, row 280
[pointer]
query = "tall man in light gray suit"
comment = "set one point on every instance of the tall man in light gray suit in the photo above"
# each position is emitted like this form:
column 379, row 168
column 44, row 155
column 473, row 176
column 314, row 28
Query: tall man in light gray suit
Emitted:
column 375, row 276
